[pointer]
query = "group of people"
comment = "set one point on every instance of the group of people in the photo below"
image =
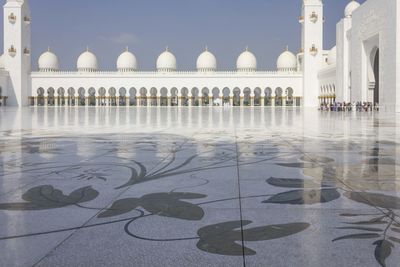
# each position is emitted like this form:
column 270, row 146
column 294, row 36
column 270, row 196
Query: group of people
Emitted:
column 343, row 106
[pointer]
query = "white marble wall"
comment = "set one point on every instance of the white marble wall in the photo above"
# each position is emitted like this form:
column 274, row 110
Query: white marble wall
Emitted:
column 343, row 42
column 375, row 23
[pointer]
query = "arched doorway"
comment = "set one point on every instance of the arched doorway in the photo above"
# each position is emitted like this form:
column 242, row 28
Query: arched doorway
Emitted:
column 205, row 96
column 226, row 95
column 247, row 97
column 153, row 97
column 215, row 97
column 257, row 96
column 195, row 97
column 164, row 97
column 40, row 96
column 61, row 96
column 102, row 93
column 268, row 96
column 112, row 92
column 71, row 96
column 375, row 65
column 50, row 96
column 122, row 96
column 174, row 96
column 185, row 97
column 289, row 96
column 236, row 97
column 278, row 97
column 92, row 96
column 143, row 97
column 81, row 96
column 132, row 97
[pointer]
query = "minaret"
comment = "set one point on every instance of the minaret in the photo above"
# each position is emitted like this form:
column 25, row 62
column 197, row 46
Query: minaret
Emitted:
column 312, row 43
column 17, row 50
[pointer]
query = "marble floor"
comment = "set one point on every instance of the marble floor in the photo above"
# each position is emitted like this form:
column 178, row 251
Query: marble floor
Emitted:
column 198, row 187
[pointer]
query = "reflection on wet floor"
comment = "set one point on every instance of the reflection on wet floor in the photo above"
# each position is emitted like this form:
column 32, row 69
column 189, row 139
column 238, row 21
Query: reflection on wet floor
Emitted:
column 199, row 187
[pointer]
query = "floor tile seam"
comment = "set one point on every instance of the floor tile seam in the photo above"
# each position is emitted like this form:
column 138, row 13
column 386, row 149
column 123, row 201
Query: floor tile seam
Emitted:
column 239, row 197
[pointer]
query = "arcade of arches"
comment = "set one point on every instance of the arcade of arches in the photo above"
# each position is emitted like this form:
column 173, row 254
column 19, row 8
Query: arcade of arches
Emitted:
column 165, row 97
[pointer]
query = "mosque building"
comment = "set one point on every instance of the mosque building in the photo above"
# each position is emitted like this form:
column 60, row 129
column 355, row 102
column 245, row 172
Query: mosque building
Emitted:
column 361, row 67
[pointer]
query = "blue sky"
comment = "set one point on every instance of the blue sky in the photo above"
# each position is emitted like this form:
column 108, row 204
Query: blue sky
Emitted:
column 186, row 26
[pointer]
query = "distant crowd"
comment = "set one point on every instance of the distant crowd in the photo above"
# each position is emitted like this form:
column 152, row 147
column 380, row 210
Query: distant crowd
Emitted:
column 355, row 106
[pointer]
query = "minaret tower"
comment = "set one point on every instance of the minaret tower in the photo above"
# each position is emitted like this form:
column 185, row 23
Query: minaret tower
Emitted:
column 312, row 43
column 17, row 50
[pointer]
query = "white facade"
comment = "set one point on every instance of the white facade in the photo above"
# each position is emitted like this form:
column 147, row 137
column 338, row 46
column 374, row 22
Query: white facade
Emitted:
column 347, row 72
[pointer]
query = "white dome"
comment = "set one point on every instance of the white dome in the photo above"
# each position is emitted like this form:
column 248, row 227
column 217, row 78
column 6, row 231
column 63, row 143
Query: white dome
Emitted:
column 206, row 62
column 287, row 61
column 247, row 61
column 166, row 62
column 87, row 62
column 2, row 63
column 353, row 5
column 127, row 62
column 332, row 56
column 48, row 61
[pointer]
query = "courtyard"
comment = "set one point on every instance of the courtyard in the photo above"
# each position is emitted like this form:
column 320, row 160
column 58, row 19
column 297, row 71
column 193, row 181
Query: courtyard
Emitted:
column 198, row 186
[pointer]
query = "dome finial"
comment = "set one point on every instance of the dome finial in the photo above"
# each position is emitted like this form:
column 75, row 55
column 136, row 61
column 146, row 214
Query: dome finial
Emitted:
column 127, row 49
column 206, row 48
column 247, row 48
column 287, row 48
column 48, row 49
column 87, row 48
column 167, row 49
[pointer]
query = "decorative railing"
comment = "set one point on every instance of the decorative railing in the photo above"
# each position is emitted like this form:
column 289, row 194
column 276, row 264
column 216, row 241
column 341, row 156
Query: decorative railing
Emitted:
column 161, row 74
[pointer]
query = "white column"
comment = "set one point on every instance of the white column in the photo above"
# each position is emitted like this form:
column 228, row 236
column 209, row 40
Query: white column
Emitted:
column 252, row 95
column 231, row 96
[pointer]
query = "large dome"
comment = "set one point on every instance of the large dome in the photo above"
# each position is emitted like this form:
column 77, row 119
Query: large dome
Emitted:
column 247, row 61
column 287, row 61
column 332, row 56
column 353, row 5
column 206, row 62
column 166, row 62
column 48, row 61
column 87, row 62
column 127, row 62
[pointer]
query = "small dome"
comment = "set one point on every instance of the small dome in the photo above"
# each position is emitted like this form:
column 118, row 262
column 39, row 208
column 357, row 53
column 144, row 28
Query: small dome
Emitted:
column 2, row 63
column 166, row 62
column 48, row 61
column 127, row 62
column 87, row 62
column 353, row 5
column 287, row 61
column 332, row 56
column 247, row 61
column 206, row 62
